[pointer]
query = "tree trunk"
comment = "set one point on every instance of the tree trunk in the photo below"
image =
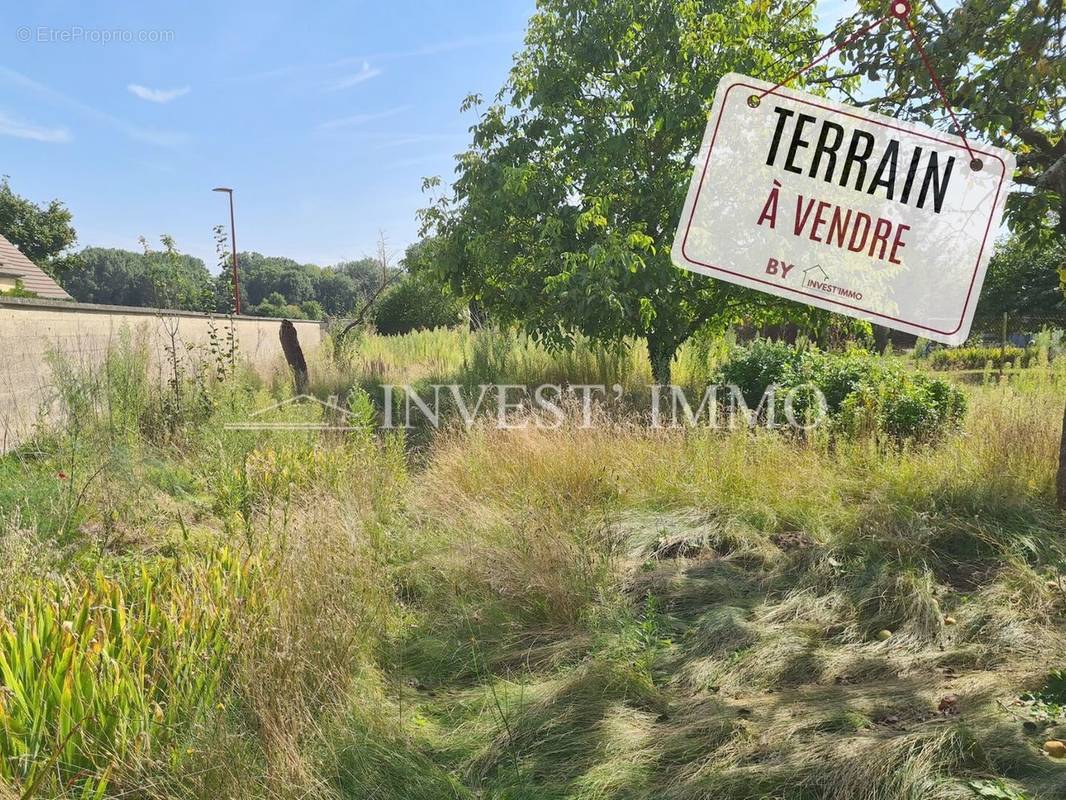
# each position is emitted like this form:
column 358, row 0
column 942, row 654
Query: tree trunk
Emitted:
column 477, row 316
column 881, row 338
column 1060, row 479
column 660, row 354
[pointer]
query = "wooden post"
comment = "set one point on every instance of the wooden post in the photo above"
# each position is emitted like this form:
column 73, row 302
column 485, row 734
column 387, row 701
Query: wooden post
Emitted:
column 294, row 354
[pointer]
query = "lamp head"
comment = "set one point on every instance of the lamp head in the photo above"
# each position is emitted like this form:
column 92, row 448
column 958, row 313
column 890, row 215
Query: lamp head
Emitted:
column 222, row 189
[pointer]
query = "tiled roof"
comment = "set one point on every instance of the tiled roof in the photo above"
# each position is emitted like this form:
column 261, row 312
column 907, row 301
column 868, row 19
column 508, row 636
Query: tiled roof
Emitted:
column 33, row 278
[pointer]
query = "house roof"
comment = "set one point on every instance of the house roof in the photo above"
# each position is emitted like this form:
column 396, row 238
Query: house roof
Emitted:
column 33, row 278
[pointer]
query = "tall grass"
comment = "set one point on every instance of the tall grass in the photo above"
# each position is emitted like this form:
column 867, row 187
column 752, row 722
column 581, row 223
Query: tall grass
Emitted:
column 609, row 612
column 495, row 356
column 104, row 674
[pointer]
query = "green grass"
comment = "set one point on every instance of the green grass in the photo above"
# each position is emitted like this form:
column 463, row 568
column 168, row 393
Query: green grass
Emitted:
column 613, row 612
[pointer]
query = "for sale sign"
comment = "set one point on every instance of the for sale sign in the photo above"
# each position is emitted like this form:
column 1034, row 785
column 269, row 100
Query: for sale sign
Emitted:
column 843, row 209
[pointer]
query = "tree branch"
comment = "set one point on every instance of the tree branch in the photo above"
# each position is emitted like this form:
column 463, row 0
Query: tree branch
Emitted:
column 1032, row 137
column 386, row 280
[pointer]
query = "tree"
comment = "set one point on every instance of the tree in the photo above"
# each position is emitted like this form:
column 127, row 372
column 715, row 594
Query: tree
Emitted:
column 224, row 300
column 297, row 285
column 566, row 203
column 365, row 274
column 43, row 233
column 111, row 276
column 387, row 274
column 1021, row 281
column 275, row 305
column 161, row 279
column 304, row 289
column 260, row 276
column 312, row 309
column 418, row 301
column 178, row 281
column 336, row 292
column 1002, row 64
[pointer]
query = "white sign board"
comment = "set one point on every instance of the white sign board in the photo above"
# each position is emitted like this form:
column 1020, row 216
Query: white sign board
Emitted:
column 843, row 209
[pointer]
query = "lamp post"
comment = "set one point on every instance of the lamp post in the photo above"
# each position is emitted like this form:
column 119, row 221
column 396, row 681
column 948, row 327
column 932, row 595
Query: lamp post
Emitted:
column 233, row 243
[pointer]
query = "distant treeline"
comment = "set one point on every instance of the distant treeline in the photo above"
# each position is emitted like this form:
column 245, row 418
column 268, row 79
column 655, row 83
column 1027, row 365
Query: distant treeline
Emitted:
column 271, row 286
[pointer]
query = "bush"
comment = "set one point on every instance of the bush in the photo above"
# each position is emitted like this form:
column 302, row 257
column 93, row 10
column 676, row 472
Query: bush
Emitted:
column 905, row 406
column 863, row 393
column 18, row 290
column 416, row 303
column 981, row 357
column 753, row 369
column 276, row 306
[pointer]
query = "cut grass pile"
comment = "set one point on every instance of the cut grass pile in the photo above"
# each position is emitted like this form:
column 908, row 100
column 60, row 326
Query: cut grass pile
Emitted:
column 613, row 612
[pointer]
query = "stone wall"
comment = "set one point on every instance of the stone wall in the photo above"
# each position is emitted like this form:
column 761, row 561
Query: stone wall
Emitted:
column 34, row 332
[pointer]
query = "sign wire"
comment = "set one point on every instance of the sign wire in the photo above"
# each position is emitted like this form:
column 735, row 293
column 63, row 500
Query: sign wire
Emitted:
column 901, row 10
column 975, row 162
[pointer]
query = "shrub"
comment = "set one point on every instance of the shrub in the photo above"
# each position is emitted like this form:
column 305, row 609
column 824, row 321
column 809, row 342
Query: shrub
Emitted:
column 312, row 309
column 18, row 290
column 276, row 306
column 863, row 393
column 752, row 369
column 416, row 303
column 906, row 406
column 981, row 357
column 837, row 376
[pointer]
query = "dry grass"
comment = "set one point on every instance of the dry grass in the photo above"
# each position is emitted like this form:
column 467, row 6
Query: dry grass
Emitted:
column 609, row 613
column 772, row 565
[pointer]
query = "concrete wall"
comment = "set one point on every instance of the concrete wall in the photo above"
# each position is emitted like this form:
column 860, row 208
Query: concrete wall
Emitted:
column 83, row 334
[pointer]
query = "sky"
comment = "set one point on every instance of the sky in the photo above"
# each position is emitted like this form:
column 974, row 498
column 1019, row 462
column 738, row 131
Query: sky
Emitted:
column 323, row 117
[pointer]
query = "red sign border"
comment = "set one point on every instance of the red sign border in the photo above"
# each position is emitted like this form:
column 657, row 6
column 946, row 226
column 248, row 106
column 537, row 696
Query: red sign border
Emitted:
column 821, row 298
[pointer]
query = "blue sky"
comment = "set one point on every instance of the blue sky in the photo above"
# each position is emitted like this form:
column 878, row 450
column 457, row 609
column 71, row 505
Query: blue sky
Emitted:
column 324, row 117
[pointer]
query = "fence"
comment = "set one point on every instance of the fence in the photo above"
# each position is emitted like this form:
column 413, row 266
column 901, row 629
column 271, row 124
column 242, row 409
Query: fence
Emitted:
column 1018, row 330
column 1004, row 349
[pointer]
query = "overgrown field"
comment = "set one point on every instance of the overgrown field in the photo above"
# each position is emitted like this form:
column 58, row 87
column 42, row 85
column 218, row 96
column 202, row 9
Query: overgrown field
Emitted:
column 194, row 611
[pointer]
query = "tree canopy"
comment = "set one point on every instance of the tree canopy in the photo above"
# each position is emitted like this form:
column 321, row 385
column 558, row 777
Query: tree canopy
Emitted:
column 150, row 278
column 564, row 207
column 272, row 286
column 1002, row 64
column 279, row 286
column 42, row 232
column 418, row 300
column 1021, row 282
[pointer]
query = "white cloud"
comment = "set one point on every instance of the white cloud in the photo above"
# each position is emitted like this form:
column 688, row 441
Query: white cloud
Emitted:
column 57, row 98
column 157, row 95
column 433, row 48
column 9, row 126
column 365, row 74
column 416, row 161
column 392, row 140
column 361, row 119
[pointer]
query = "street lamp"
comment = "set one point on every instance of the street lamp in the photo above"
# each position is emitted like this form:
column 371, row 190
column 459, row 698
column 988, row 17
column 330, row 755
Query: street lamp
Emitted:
column 233, row 242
